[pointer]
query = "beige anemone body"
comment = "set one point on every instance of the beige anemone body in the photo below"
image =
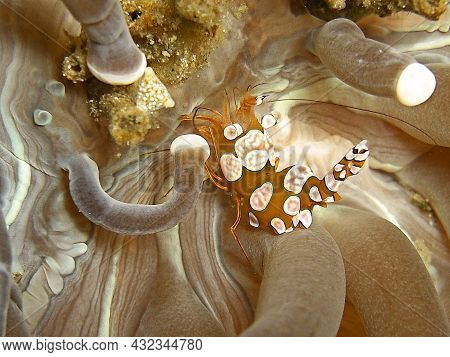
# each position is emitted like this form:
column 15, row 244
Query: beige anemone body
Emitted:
column 80, row 279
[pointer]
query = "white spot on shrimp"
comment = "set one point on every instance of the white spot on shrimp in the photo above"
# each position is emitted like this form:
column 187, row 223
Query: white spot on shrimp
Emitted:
column 331, row 183
column 292, row 205
column 362, row 146
column 268, row 121
column 359, row 152
column 260, row 198
column 231, row 167
column 295, row 220
column 338, row 167
column 256, row 160
column 253, row 220
column 314, row 194
column 350, row 155
column 278, row 225
column 355, row 169
column 253, row 149
column 363, row 156
column 304, row 217
column 296, row 177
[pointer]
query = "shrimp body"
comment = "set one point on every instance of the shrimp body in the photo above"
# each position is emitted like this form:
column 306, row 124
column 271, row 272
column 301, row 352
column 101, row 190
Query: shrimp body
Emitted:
column 245, row 166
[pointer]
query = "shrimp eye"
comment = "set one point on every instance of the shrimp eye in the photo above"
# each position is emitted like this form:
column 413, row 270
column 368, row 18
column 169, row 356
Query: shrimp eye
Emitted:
column 260, row 99
column 362, row 151
column 355, row 151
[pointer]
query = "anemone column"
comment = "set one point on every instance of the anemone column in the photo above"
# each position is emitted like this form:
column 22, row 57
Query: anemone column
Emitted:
column 113, row 57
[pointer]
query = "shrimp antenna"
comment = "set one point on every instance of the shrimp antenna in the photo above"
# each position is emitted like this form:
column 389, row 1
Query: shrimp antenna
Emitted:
column 250, row 87
column 154, row 152
column 228, row 100
column 196, row 109
column 355, row 108
column 195, row 115
column 234, row 96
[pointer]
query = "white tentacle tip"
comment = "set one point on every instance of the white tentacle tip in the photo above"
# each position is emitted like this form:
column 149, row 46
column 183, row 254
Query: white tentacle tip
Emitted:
column 117, row 79
column 190, row 141
column 415, row 85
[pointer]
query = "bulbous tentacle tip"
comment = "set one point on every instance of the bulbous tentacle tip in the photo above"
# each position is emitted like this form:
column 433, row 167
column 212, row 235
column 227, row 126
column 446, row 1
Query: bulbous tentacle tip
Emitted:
column 381, row 69
column 415, row 85
column 123, row 71
column 190, row 141
column 113, row 57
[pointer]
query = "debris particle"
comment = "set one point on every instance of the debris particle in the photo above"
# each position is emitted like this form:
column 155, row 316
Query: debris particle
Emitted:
column 152, row 95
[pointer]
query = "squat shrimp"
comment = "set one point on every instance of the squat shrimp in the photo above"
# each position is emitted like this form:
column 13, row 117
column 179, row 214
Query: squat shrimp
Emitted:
column 244, row 164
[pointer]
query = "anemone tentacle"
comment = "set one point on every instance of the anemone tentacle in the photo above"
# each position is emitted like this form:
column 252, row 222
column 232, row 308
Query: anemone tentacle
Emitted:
column 303, row 287
column 189, row 152
column 369, row 65
column 387, row 281
column 113, row 57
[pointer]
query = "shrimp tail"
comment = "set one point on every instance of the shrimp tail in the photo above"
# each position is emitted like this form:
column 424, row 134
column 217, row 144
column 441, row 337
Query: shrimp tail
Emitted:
column 348, row 166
